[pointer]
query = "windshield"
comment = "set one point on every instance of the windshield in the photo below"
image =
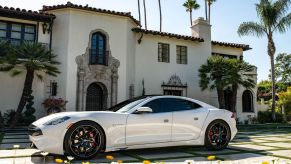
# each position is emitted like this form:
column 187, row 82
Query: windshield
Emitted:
column 127, row 105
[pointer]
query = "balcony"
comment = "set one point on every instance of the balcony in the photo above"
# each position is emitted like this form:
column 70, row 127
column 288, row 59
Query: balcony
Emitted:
column 98, row 59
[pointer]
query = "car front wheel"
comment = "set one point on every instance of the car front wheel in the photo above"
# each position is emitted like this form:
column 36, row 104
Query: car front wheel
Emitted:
column 84, row 140
column 217, row 135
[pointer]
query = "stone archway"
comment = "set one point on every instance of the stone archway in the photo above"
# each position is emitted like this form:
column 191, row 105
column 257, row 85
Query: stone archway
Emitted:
column 107, row 75
column 96, row 97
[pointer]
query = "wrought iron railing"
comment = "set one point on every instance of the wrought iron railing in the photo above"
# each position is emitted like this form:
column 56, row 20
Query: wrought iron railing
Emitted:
column 95, row 58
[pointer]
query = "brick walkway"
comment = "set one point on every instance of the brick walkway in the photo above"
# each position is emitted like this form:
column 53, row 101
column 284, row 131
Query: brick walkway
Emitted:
column 248, row 147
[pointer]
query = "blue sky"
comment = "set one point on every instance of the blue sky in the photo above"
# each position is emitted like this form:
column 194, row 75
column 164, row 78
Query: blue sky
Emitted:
column 225, row 18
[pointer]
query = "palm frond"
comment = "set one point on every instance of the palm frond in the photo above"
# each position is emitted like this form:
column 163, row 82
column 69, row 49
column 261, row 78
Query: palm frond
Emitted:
column 251, row 28
column 15, row 72
column 6, row 68
column 284, row 24
column 39, row 76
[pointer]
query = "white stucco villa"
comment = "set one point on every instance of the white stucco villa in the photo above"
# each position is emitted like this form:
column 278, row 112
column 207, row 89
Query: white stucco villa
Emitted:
column 107, row 58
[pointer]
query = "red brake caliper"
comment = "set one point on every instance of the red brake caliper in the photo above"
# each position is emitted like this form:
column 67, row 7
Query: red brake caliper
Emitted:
column 91, row 135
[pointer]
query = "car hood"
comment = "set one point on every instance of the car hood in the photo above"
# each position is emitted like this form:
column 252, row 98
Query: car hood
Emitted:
column 45, row 119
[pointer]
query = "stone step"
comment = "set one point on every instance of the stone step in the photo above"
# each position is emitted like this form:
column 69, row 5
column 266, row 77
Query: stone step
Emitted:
column 10, row 145
column 18, row 140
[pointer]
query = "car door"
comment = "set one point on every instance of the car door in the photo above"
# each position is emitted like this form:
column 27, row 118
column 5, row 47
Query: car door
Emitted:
column 188, row 119
column 149, row 128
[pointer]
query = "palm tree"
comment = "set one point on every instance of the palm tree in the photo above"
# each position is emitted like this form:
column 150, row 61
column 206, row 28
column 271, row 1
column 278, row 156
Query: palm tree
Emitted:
column 35, row 60
column 145, row 15
column 237, row 75
column 212, row 75
column 209, row 2
column 160, row 15
column 138, row 6
column 205, row 5
column 190, row 5
column 273, row 18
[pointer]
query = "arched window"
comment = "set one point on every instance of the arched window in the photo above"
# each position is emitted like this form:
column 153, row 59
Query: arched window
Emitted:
column 98, row 49
column 247, row 101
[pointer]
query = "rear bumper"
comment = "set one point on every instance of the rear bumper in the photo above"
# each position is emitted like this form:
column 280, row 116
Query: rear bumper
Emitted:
column 233, row 128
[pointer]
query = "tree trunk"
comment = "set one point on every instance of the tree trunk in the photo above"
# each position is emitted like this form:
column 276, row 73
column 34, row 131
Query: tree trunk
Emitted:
column 25, row 93
column 233, row 98
column 271, row 52
column 220, row 94
column 206, row 18
column 138, row 5
column 160, row 15
column 145, row 15
column 209, row 5
column 190, row 17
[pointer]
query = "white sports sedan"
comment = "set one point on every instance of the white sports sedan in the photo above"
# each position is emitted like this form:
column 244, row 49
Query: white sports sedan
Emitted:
column 143, row 122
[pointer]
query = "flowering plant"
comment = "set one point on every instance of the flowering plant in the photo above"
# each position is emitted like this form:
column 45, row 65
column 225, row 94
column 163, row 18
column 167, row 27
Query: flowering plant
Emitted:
column 51, row 102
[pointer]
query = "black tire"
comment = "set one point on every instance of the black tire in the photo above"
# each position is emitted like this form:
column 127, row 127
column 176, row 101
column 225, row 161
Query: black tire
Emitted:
column 84, row 140
column 217, row 135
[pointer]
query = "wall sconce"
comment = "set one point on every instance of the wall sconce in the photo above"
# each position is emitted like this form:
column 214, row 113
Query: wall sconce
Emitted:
column 46, row 27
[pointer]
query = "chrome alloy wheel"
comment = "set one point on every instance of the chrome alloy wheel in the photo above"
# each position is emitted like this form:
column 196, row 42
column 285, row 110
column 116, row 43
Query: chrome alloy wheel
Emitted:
column 85, row 141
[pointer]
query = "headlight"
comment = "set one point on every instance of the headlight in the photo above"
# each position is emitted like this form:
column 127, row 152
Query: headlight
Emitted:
column 57, row 121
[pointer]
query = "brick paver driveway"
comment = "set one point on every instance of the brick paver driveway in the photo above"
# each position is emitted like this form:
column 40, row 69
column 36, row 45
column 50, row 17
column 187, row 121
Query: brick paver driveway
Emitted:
column 254, row 146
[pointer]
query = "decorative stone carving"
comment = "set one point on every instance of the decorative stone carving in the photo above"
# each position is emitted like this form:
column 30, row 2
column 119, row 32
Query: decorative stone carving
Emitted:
column 102, row 74
column 175, row 80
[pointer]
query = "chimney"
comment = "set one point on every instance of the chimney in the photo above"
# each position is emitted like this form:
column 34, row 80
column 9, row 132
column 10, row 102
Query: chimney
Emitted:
column 202, row 29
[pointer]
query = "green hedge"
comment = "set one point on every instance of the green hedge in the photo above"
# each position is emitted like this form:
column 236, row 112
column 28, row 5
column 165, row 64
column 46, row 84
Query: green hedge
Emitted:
column 266, row 117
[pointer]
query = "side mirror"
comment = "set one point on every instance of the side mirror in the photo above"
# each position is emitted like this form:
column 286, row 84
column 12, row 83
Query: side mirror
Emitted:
column 143, row 110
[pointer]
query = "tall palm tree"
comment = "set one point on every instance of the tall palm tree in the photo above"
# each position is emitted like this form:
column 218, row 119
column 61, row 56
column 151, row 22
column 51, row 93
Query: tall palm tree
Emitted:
column 145, row 15
column 237, row 75
column 138, row 6
column 273, row 18
column 209, row 2
column 32, row 58
column 212, row 75
column 190, row 5
column 160, row 9
column 205, row 5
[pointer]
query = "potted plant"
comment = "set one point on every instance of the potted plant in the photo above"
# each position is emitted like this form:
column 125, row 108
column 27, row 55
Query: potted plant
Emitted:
column 54, row 105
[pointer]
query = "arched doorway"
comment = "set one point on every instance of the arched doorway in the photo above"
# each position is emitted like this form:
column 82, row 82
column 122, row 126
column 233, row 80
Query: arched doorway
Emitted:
column 96, row 97
column 247, row 101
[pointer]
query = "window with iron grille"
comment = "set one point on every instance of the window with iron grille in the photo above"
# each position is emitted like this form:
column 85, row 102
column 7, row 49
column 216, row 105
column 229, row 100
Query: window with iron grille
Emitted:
column 16, row 33
column 181, row 54
column 164, row 53
column 98, row 53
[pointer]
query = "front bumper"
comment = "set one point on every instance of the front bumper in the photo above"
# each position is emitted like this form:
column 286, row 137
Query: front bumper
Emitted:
column 47, row 139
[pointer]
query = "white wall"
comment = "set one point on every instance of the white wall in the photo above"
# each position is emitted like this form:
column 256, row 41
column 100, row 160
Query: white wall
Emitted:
column 71, row 38
column 154, row 72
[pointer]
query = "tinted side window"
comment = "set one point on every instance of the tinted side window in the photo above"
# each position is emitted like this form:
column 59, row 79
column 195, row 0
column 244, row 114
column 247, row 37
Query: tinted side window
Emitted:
column 155, row 105
column 172, row 105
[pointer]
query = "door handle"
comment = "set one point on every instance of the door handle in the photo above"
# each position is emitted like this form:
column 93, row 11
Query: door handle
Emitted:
column 195, row 118
column 166, row 120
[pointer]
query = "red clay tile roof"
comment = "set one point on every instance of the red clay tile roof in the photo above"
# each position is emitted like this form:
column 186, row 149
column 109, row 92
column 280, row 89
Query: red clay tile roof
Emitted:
column 88, row 8
column 243, row 46
column 25, row 14
column 170, row 35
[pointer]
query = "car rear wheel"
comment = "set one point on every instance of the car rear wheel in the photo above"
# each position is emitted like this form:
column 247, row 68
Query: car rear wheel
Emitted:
column 84, row 140
column 217, row 135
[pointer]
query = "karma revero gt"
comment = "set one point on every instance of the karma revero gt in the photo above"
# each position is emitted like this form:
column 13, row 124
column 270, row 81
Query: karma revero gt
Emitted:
column 143, row 122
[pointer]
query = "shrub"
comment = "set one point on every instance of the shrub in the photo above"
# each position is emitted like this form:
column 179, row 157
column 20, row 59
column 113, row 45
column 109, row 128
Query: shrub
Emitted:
column 30, row 110
column 266, row 117
column 9, row 115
